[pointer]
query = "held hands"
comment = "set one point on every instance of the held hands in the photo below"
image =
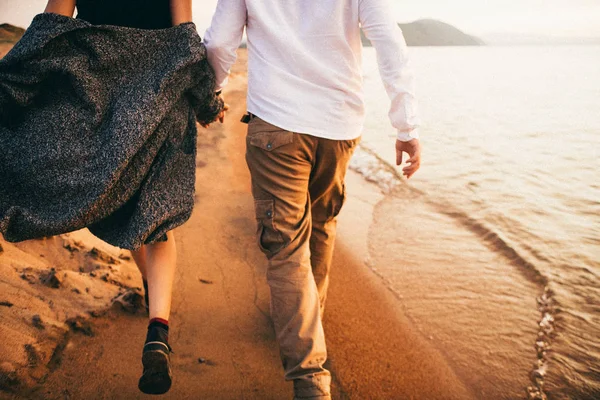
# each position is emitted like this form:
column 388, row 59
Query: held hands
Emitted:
column 413, row 148
column 221, row 116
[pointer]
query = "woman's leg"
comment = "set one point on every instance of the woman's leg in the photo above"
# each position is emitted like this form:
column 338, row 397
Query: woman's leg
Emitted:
column 159, row 262
column 161, row 258
column 140, row 260
column 139, row 256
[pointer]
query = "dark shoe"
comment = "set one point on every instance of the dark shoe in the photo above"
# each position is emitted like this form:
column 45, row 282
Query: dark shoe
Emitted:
column 157, row 376
column 313, row 387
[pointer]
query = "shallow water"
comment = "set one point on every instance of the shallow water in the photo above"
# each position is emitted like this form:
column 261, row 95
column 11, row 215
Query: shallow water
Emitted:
column 507, row 199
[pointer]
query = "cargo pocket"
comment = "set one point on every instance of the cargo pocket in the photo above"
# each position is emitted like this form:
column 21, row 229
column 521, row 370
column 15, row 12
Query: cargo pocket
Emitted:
column 266, row 136
column 270, row 240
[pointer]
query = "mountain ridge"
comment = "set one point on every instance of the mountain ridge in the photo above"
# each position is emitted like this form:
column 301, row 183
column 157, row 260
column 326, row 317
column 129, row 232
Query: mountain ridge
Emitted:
column 9, row 35
column 431, row 32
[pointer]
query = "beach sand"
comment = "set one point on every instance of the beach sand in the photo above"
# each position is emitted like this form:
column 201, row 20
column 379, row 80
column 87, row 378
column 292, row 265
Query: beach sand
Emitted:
column 50, row 288
column 221, row 330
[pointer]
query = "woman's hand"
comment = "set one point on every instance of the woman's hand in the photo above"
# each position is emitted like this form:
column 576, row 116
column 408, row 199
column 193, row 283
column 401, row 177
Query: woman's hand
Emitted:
column 221, row 116
column 181, row 11
column 62, row 7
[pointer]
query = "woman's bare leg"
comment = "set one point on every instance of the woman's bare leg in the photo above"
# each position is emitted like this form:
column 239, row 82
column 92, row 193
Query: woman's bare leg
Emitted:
column 160, row 258
column 159, row 262
column 140, row 260
column 139, row 256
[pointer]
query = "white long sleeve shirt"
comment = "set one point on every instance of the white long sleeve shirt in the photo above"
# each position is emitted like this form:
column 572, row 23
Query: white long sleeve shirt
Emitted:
column 305, row 62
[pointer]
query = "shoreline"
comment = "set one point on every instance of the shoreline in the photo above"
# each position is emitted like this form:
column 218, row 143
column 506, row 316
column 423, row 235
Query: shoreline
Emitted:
column 365, row 320
column 468, row 296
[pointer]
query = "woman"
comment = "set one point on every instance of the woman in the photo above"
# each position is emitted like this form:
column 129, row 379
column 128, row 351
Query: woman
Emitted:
column 146, row 161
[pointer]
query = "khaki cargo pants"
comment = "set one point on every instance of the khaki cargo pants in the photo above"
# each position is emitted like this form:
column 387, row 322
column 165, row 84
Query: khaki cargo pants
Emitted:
column 298, row 188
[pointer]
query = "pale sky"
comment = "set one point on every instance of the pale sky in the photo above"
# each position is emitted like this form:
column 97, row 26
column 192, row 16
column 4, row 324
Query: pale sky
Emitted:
column 573, row 18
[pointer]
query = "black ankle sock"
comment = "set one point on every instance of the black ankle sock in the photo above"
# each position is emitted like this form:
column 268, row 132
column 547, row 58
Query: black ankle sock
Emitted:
column 158, row 331
column 159, row 323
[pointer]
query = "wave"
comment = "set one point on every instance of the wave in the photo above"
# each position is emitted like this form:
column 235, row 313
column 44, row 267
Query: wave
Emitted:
column 372, row 167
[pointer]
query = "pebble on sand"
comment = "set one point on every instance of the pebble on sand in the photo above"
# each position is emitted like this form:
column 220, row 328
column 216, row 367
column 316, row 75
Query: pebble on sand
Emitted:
column 36, row 321
column 80, row 324
column 51, row 279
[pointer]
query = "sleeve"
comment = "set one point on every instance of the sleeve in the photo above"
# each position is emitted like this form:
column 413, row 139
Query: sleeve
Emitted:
column 224, row 36
column 377, row 21
column 207, row 104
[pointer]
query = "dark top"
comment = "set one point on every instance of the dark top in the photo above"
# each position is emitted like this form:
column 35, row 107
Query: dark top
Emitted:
column 142, row 14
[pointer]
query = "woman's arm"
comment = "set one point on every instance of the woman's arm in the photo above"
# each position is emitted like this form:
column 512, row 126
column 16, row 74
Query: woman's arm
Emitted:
column 62, row 7
column 181, row 11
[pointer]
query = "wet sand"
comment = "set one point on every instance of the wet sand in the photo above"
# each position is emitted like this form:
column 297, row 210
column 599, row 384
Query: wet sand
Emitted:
column 221, row 330
column 467, row 296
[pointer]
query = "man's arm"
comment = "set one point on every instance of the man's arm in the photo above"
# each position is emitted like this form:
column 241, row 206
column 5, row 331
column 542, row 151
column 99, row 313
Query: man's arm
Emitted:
column 380, row 27
column 224, row 36
column 62, row 7
column 378, row 23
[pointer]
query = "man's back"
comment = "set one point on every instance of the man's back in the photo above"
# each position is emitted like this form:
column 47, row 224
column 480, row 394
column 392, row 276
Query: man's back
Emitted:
column 304, row 71
column 304, row 64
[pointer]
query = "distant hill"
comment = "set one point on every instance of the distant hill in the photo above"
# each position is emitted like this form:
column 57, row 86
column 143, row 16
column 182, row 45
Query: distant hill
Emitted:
column 429, row 32
column 9, row 35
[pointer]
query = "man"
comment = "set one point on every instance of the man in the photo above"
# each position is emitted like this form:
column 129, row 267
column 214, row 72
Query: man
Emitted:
column 305, row 116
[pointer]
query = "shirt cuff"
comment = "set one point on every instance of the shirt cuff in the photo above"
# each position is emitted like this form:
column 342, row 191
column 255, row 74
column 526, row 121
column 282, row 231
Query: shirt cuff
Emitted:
column 408, row 136
column 222, row 85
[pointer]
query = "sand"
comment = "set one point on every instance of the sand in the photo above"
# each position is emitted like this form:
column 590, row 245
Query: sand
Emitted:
column 221, row 331
column 49, row 289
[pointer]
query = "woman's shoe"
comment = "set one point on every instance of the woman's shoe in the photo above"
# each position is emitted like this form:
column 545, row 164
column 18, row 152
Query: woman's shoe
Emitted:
column 156, row 359
column 157, row 376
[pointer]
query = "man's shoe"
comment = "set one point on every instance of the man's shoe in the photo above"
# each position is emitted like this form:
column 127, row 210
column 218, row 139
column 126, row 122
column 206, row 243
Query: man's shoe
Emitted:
column 315, row 387
column 157, row 376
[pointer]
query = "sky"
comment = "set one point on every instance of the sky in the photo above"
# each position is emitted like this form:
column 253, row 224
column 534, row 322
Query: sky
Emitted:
column 559, row 18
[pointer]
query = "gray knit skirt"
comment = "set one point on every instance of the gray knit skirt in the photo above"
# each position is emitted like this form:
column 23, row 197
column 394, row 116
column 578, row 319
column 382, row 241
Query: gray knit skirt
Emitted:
column 98, row 130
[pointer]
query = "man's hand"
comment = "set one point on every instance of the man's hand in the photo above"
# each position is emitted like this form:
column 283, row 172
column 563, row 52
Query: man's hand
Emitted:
column 221, row 116
column 413, row 148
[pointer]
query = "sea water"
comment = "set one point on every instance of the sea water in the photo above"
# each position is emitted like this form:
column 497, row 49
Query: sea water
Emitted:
column 493, row 247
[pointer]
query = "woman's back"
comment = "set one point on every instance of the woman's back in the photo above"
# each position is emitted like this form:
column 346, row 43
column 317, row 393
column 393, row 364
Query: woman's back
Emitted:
column 143, row 14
